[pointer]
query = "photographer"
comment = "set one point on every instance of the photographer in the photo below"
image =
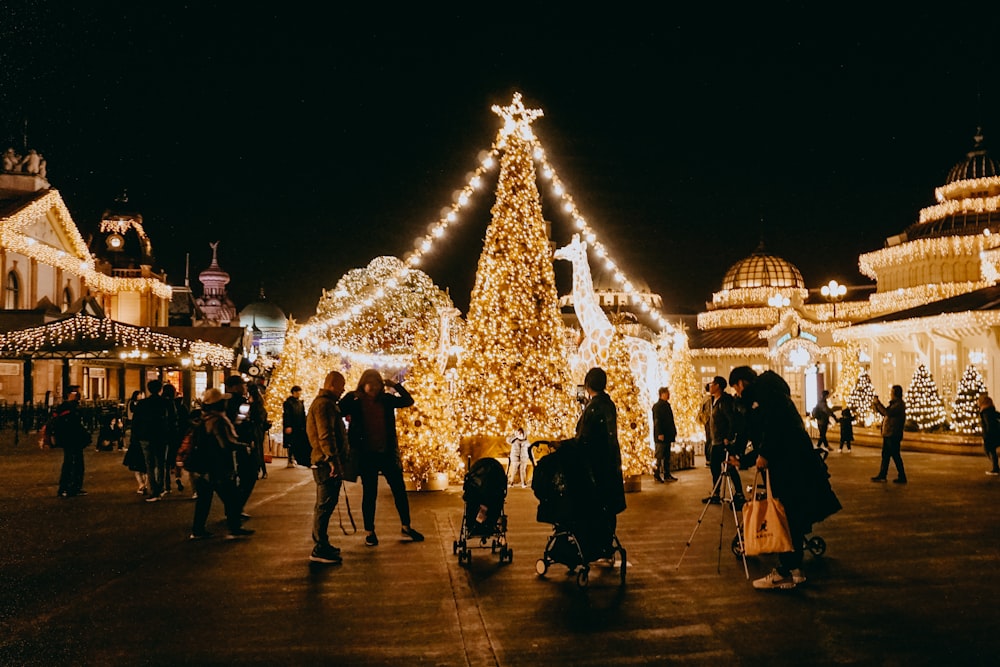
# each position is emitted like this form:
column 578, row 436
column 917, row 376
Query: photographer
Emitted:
column 721, row 443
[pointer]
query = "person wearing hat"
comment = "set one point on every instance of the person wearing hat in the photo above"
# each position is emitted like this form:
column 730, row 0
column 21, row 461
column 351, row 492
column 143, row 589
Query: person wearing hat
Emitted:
column 214, row 473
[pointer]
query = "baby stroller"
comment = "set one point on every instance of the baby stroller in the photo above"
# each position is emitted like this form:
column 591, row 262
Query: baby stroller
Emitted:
column 583, row 531
column 484, row 491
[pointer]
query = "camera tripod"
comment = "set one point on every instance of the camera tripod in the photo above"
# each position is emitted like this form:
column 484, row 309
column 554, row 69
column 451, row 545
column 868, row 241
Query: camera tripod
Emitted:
column 725, row 492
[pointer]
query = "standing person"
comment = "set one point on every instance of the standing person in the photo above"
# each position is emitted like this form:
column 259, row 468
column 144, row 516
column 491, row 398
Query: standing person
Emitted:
column 990, row 420
column 785, row 453
column 328, row 438
column 597, row 439
column 519, row 458
column 823, row 414
column 259, row 427
column 664, row 433
column 69, row 433
column 704, row 416
column 176, row 426
column 293, row 426
column 238, row 414
column 371, row 414
column 892, row 434
column 151, row 429
column 211, row 465
column 722, row 437
column 130, row 408
column 846, row 422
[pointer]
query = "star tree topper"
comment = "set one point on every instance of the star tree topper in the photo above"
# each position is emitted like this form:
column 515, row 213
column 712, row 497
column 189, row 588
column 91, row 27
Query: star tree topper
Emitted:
column 516, row 118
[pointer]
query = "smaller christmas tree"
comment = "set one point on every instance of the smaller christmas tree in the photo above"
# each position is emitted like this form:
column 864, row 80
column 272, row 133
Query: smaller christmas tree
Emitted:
column 861, row 398
column 686, row 391
column 633, row 416
column 427, row 431
column 965, row 409
column 924, row 406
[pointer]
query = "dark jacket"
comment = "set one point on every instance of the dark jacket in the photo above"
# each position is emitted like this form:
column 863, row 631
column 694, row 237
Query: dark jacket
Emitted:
column 293, row 415
column 990, row 419
column 68, row 431
column 596, row 444
column 350, row 406
column 895, row 417
column 799, row 478
column 155, row 420
column 663, row 422
column 722, row 420
column 327, row 435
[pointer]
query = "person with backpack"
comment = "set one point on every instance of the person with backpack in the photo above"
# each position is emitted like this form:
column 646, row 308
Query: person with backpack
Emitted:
column 153, row 424
column 209, row 457
column 67, row 431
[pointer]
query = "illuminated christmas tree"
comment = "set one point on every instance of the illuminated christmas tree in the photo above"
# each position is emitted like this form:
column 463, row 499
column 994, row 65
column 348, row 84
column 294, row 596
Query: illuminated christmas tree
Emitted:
column 965, row 409
column 686, row 390
column 861, row 398
column 850, row 373
column 633, row 415
column 428, row 431
column 514, row 369
column 924, row 406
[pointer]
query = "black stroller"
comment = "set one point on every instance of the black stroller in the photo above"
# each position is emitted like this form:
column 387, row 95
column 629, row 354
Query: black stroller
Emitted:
column 484, row 492
column 583, row 532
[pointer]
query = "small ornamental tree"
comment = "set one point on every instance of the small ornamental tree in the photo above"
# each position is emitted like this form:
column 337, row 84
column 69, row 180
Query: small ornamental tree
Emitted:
column 633, row 415
column 924, row 406
column 860, row 399
column 965, row 409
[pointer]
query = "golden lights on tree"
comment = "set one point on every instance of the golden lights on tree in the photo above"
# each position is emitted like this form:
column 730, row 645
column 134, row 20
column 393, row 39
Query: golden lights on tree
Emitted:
column 429, row 430
column 514, row 370
column 686, row 390
column 633, row 415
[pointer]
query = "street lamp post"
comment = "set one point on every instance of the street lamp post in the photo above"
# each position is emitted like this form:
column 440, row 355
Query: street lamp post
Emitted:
column 833, row 292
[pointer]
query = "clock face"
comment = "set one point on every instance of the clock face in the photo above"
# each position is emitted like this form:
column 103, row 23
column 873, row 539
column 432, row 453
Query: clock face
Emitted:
column 115, row 242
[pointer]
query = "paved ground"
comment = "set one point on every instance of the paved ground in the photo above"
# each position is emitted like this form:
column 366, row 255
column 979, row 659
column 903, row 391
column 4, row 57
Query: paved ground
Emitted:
column 910, row 577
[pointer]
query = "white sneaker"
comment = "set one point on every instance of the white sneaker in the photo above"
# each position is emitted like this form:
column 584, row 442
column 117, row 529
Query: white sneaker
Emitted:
column 774, row 580
column 798, row 576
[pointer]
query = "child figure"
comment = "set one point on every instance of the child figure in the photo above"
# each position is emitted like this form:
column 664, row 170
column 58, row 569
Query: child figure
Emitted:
column 846, row 422
column 518, row 457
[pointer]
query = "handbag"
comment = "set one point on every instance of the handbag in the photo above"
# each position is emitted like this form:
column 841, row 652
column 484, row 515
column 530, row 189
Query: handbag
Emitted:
column 765, row 526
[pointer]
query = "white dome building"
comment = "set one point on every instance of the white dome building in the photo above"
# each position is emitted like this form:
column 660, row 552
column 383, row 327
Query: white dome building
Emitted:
column 266, row 324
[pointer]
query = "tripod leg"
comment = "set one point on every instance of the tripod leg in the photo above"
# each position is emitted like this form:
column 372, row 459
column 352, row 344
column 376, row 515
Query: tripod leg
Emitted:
column 715, row 492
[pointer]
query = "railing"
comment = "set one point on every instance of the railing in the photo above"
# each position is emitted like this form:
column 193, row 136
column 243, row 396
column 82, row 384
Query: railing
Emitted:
column 28, row 417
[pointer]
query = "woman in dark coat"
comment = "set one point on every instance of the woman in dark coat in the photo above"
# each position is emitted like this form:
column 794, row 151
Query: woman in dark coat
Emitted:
column 371, row 415
column 799, row 478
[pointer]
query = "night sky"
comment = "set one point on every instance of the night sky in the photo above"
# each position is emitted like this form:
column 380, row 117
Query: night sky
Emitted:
column 309, row 141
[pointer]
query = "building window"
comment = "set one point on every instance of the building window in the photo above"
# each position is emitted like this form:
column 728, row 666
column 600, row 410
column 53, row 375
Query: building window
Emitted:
column 67, row 298
column 12, row 291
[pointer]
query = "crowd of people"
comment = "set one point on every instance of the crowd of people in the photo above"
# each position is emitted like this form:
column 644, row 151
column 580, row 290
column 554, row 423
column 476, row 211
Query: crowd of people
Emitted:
column 347, row 435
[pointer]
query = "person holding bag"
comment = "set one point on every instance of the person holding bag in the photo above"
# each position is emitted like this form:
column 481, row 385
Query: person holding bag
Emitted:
column 784, row 449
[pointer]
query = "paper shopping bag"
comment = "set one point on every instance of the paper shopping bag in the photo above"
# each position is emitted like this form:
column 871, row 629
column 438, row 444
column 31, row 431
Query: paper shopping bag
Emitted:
column 765, row 527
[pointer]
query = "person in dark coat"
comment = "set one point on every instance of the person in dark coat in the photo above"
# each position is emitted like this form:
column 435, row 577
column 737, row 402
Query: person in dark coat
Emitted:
column 371, row 414
column 892, row 434
column 846, row 422
column 70, row 434
column 293, row 425
column 799, row 477
column 990, row 420
column 664, row 434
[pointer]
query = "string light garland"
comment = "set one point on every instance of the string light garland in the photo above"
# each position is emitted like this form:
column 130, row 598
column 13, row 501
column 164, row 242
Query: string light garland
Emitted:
column 78, row 261
column 924, row 406
column 967, row 186
column 78, row 331
column 965, row 408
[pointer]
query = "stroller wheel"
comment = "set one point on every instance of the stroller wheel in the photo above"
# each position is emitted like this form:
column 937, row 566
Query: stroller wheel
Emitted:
column 510, row 555
column 583, row 578
column 817, row 545
column 454, row 547
column 541, row 567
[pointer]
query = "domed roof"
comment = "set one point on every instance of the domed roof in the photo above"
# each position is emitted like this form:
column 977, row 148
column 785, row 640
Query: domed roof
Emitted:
column 977, row 163
column 762, row 269
column 214, row 276
column 263, row 314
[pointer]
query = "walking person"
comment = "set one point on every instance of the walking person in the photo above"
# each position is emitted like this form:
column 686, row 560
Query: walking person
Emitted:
column 211, row 465
column 798, row 477
column 371, row 414
column 823, row 414
column 152, row 424
column 892, row 434
column 846, row 422
column 69, row 433
column 293, row 428
column 664, row 434
column 519, row 458
column 328, row 438
column 990, row 420
column 238, row 413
